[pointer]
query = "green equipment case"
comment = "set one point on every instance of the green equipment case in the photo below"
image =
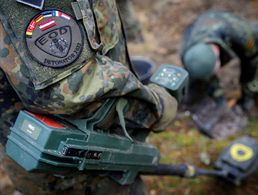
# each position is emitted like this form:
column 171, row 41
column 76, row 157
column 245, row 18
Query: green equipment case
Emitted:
column 40, row 144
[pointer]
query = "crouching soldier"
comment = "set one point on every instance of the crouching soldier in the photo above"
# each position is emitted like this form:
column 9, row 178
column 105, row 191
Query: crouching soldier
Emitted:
column 211, row 41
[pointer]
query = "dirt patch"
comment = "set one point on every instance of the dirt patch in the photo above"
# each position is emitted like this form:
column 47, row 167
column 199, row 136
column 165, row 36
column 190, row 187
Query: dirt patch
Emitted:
column 163, row 23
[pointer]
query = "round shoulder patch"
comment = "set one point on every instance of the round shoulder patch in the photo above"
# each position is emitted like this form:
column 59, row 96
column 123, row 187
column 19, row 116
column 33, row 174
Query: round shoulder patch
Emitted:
column 54, row 38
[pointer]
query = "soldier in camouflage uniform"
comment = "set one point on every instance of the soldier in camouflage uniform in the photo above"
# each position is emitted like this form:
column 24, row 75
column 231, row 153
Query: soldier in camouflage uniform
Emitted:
column 211, row 41
column 44, row 71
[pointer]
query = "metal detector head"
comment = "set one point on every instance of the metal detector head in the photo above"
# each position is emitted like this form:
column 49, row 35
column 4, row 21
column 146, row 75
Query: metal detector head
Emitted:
column 238, row 160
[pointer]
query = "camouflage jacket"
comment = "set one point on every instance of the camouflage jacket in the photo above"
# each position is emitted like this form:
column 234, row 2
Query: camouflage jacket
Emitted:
column 233, row 34
column 102, row 71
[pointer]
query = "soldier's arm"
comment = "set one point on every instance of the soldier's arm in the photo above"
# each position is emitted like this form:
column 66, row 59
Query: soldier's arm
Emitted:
column 242, row 37
column 246, row 49
column 99, row 79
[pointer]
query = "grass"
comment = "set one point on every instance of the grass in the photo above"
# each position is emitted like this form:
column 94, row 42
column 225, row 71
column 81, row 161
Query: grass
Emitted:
column 182, row 143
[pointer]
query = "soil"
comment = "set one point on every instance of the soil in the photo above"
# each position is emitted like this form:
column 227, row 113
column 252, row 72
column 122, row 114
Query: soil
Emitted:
column 163, row 23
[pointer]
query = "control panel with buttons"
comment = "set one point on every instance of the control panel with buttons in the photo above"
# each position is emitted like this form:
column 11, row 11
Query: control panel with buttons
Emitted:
column 171, row 77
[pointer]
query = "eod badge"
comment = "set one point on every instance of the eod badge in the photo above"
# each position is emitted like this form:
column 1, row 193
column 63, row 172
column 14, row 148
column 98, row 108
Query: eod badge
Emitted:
column 54, row 39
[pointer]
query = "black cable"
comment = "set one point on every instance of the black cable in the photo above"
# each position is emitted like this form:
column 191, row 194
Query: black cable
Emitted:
column 183, row 170
column 213, row 173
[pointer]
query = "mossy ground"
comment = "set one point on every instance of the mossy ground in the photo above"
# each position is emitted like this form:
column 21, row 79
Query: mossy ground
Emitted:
column 182, row 143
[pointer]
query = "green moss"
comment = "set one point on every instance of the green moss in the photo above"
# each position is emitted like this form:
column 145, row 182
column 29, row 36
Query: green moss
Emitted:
column 184, row 144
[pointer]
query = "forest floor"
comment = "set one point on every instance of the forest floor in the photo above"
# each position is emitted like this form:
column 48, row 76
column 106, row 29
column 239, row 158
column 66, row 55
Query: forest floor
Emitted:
column 162, row 25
